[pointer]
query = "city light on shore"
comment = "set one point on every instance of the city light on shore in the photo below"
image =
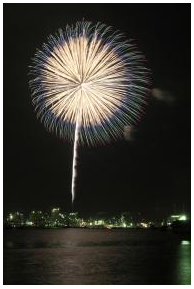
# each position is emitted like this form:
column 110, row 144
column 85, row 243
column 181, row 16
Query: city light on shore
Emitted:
column 57, row 218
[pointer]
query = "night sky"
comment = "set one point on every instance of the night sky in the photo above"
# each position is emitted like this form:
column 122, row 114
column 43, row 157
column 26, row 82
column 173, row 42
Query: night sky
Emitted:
column 149, row 173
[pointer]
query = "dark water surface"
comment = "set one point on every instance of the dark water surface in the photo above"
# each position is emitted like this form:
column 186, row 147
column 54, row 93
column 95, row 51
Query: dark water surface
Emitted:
column 95, row 256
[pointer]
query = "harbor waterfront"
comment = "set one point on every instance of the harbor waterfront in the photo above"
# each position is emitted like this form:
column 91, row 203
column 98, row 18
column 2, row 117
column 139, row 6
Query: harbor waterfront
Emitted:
column 59, row 219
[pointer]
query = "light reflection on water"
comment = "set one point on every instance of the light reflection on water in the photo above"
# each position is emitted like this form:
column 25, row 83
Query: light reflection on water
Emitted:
column 184, row 262
column 185, row 242
column 81, row 256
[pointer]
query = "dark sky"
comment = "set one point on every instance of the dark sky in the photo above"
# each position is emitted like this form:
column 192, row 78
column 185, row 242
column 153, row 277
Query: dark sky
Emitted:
column 151, row 173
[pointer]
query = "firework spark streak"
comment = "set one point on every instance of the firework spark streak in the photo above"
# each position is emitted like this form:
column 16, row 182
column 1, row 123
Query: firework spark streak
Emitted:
column 87, row 84
column 75, row 156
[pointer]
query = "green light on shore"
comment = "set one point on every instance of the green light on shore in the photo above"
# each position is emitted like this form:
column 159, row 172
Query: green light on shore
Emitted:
column 185, row 242
column 182, row 218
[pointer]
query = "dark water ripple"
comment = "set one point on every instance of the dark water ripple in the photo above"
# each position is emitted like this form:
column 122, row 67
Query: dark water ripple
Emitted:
column 74, row 256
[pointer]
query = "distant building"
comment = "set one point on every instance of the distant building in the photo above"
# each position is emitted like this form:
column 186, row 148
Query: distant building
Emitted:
column 36, row 218
column 14, row 219
column 177, row 217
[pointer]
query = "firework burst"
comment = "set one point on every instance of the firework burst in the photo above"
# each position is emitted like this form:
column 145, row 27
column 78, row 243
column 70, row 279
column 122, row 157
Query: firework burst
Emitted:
column 87, row 83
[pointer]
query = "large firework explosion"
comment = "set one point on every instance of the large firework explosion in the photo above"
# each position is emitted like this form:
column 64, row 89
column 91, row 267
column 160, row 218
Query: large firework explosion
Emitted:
column 87, row 83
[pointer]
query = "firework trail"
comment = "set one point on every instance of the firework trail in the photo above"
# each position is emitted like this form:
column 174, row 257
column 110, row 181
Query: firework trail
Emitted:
column 87, row 83
column 75, row 156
